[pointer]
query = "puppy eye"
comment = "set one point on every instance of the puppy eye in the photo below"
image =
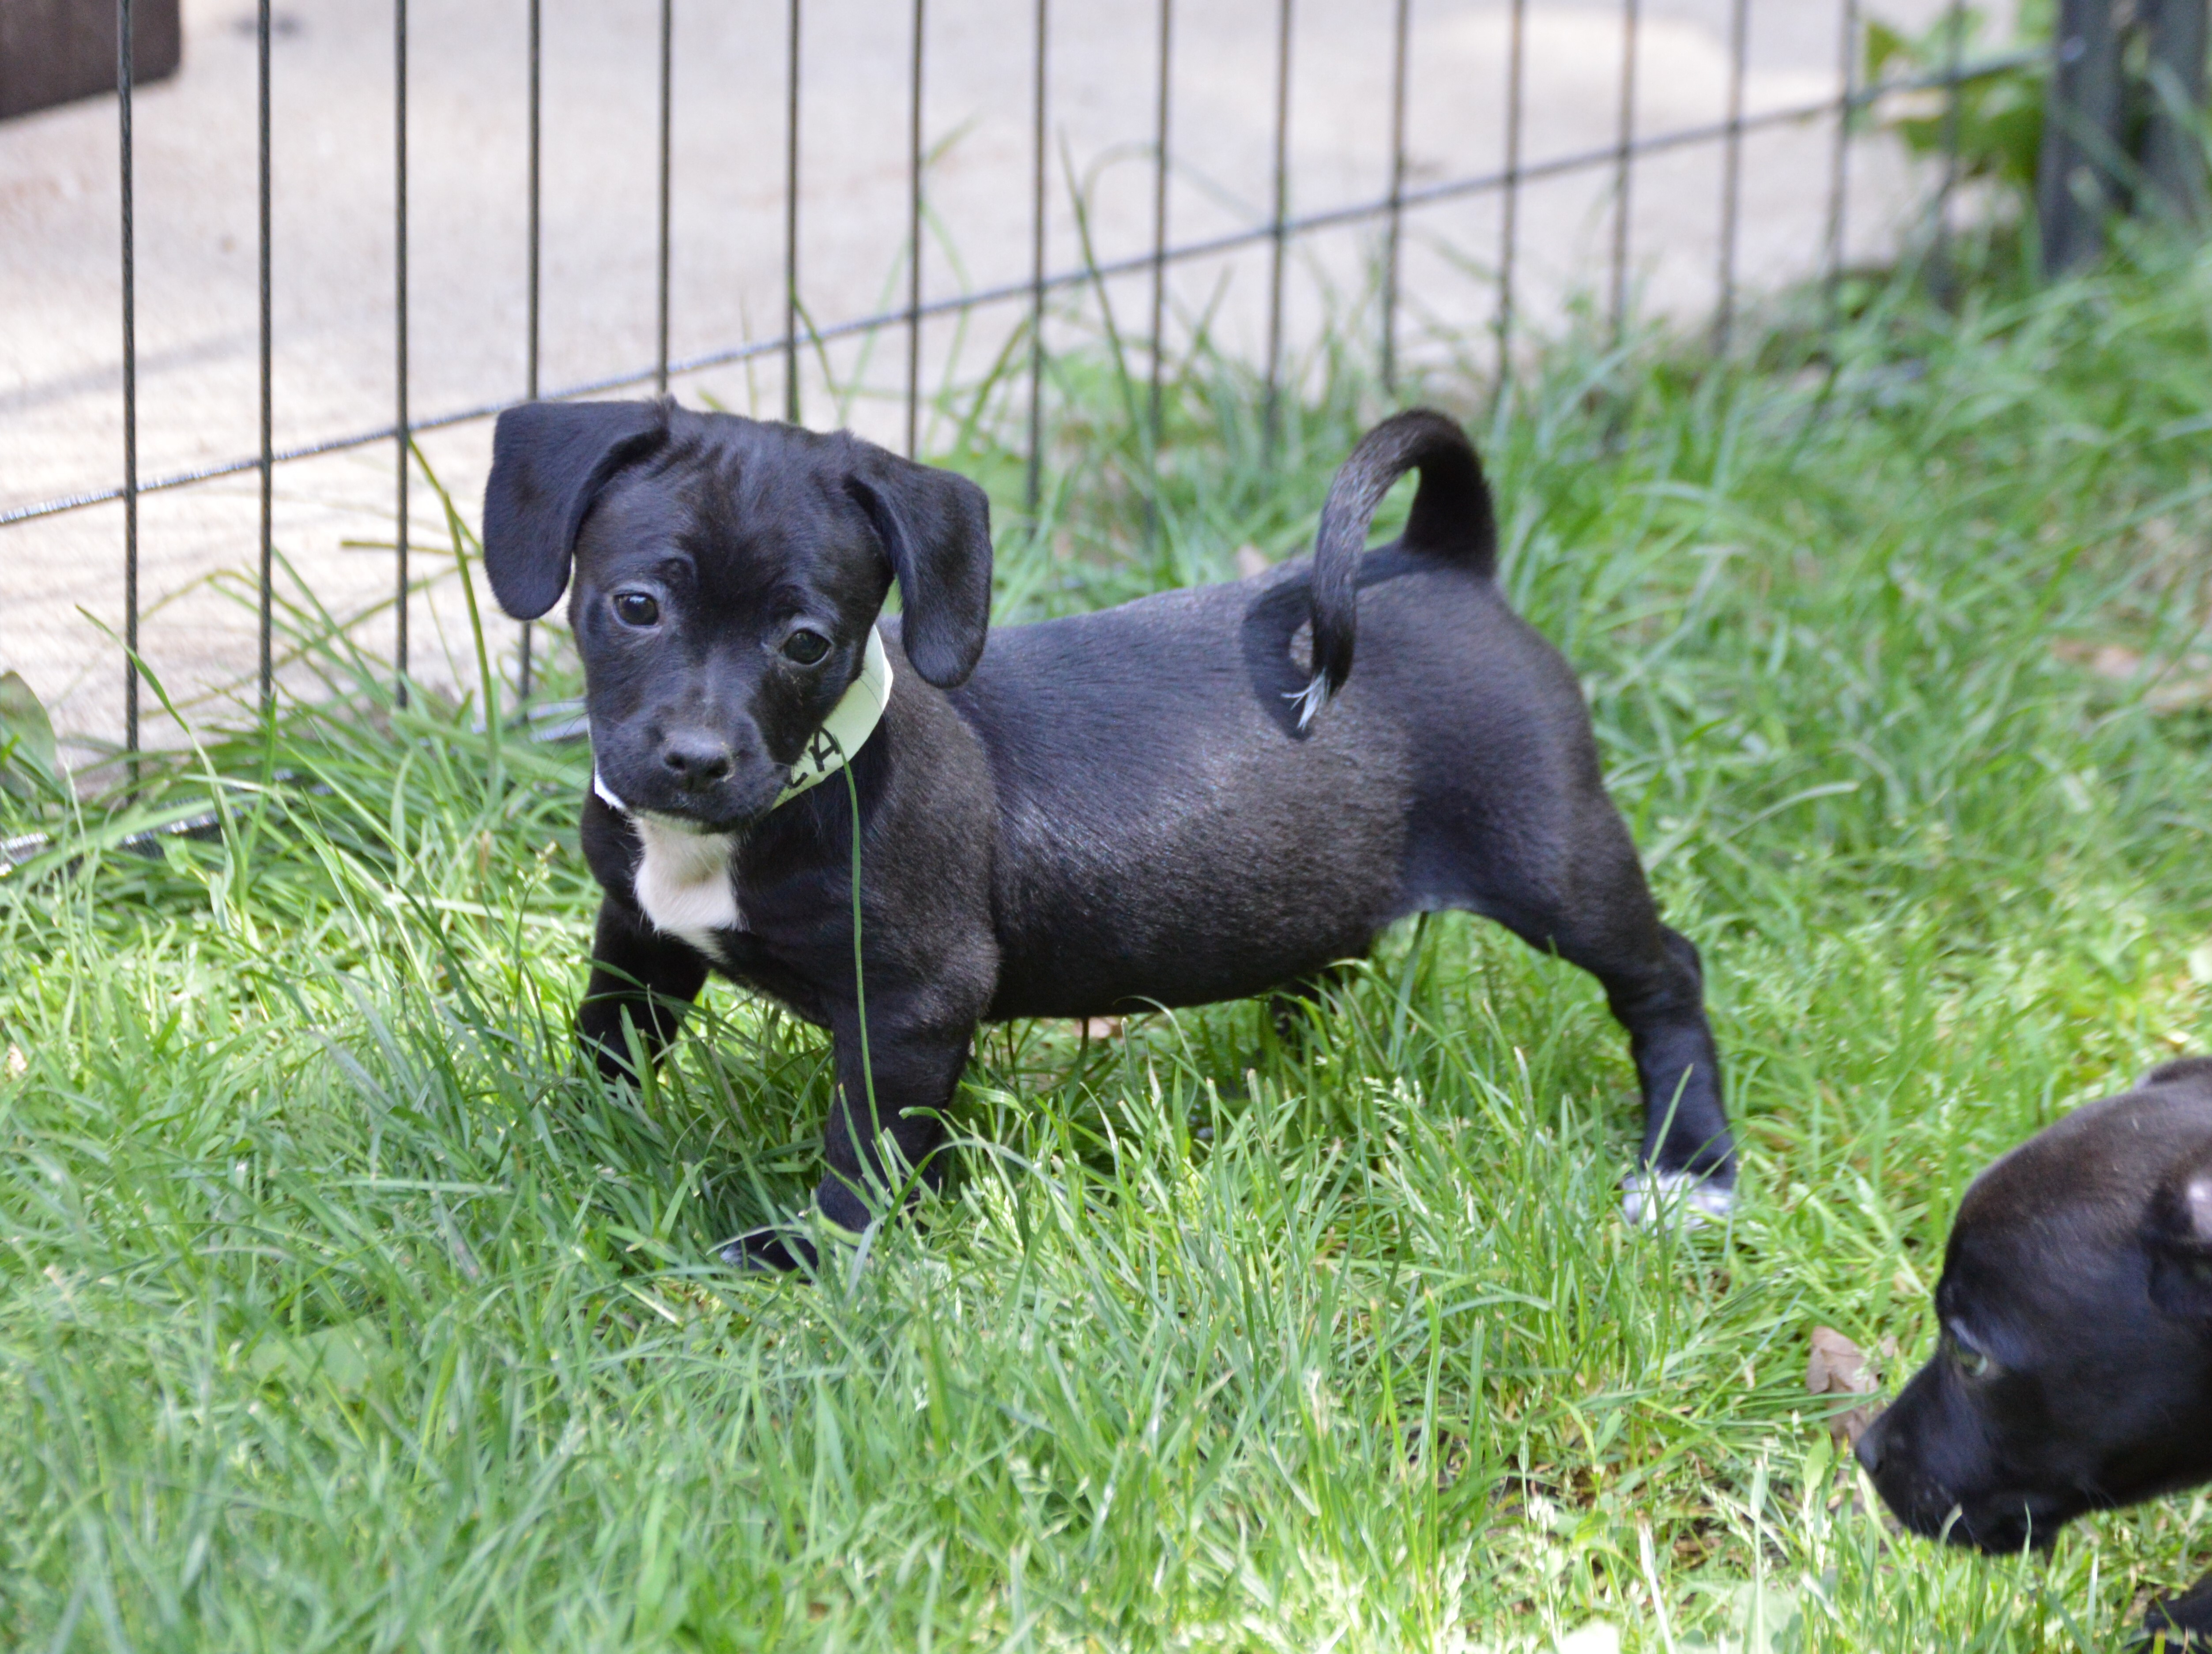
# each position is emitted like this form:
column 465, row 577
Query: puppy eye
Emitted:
column 806, row 648
column 636, row 608
column 1972, row 1363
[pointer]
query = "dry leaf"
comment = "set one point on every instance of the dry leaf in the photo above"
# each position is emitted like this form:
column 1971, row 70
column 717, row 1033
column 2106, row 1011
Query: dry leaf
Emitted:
column 2200, row 965
column 1101, row 1027
column 2179, row 694
column 2176, row 686
column 1251, row 560
column 348, row 1355
column 1838, row 1367
column 2107, row 660
column 1595, row 1638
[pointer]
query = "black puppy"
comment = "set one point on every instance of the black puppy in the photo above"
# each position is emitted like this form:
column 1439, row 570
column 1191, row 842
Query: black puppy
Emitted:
column 2075, row 1368
column 1192, row 797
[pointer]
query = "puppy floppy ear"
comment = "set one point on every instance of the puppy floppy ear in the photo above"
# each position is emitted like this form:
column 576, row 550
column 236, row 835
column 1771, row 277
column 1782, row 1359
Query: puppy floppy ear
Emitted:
column 2177, row 1234
column 548, row 461
column 935, row 527
column 2183, row 1071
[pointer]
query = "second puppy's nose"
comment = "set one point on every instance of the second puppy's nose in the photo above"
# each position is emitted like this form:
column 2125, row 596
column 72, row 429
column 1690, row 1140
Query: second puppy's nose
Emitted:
column 1868, row 1450
column 696, row 757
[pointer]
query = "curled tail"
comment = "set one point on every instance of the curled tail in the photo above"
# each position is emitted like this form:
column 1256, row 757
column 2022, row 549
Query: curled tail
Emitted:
column 1451, row 519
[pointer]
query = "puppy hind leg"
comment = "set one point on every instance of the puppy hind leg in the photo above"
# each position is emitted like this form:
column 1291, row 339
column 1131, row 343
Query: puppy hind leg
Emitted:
column 1655, row 987
column 1688, row 1157
column 1293, row 1007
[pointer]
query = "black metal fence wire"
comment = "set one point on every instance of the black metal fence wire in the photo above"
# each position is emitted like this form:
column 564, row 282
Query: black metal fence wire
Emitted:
column 1279, row 230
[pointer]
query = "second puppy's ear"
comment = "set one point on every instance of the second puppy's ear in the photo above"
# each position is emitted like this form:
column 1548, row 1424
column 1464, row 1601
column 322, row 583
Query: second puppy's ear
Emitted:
column 548, row 461
column 935, row 527
column 2182, row 1071
column 2177, row 1233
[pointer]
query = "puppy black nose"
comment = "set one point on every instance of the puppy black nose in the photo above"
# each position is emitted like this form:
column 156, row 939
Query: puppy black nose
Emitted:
column 696, row 757
column 1869, row 1448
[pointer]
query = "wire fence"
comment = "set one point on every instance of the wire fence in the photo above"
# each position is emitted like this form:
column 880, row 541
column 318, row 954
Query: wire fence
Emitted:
column 1146, row 210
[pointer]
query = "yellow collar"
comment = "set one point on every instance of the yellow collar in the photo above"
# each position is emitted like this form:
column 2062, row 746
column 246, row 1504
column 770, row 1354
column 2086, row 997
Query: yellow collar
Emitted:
column 848, row 726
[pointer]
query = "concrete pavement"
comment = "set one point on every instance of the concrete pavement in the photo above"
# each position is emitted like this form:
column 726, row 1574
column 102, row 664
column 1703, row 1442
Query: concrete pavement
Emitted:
column 334, row 285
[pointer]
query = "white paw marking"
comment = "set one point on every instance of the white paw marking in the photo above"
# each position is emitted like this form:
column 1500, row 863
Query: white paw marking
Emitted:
column 684, row 883
column 1680, row 1200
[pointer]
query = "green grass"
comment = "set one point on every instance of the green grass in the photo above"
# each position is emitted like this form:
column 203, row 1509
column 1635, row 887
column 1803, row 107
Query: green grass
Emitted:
column 343, row 1310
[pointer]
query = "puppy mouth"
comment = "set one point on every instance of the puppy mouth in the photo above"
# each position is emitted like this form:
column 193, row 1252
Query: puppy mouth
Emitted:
column 1994, row 1522
column 2005, row 1525
column 2010, row 1536
column 696, row 823
column 708, row 817
column 730, row 807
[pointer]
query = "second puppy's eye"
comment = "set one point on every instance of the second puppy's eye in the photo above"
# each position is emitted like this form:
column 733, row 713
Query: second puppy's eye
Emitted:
column 806, row 648
column 1973, row 1363
column 636, row 608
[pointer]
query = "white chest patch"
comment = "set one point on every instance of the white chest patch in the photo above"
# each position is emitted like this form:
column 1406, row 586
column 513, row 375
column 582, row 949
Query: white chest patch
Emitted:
column 684, row 883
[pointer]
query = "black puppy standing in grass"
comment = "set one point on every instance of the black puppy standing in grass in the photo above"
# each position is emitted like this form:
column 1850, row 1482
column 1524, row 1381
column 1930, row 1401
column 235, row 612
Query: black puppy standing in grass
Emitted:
column 1192, row 797
column 2074, row 1371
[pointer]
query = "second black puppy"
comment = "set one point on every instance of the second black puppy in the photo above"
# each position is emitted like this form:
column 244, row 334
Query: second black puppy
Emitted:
column 2074, row 1372
column 1191, row 797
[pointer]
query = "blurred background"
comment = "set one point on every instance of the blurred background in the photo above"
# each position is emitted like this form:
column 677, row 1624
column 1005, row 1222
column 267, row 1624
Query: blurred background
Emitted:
column 1652, row 165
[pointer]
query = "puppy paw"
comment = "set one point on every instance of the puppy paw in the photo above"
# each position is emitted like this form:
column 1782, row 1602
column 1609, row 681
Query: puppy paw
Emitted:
column 772, row 1252
column 2180, row 1622
column 2161, row 1636
column 1678, row 1200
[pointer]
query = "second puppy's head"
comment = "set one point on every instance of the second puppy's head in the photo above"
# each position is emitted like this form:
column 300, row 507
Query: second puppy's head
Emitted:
column 723, row 575
column 2074, row 1371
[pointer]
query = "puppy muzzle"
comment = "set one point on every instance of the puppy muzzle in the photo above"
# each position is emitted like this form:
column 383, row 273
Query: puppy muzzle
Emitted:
column 1999, row 1523
column 729, row 804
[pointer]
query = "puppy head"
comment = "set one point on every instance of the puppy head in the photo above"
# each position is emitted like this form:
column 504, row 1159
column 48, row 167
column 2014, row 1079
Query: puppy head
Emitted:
column 723, row 576
column 2073, row 1371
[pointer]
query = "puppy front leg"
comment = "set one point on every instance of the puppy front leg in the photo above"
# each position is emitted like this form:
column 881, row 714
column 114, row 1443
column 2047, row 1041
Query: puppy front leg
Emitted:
column 2184, row 1621
column 875, row 1157
column 641, row 980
